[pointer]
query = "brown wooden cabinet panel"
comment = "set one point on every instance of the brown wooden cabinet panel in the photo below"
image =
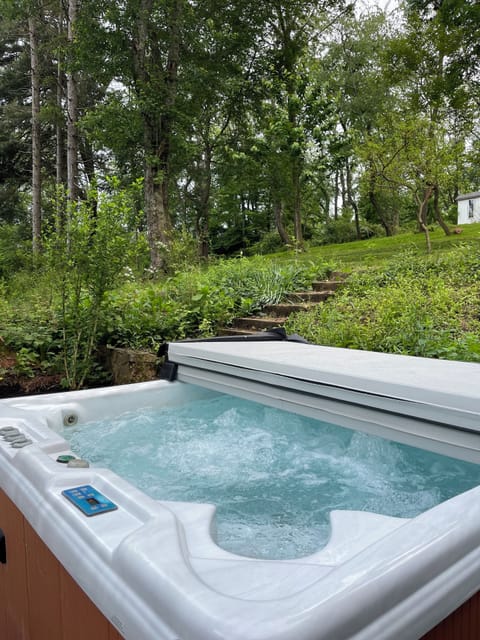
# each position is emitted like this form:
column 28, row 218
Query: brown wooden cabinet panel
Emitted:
column 39, row 600
column 13, row 575
column 43, row 580
column 82, row 619
column 462, row 624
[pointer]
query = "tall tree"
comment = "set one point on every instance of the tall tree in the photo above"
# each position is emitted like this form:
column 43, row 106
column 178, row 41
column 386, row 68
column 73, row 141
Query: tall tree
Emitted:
column 354, row 71
column 155, row 76
column 25, row 89
column 436, row 79
column 72, row 107
column 139, row 46
column 293, row 29
column 36, row 141
column 217, row 93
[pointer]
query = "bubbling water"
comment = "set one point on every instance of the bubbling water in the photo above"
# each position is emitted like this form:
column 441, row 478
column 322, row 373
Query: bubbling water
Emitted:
column 274, row 476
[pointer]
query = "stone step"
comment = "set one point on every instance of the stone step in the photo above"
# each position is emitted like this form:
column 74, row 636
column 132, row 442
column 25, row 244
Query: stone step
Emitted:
column 276, row 314
column 258, row 323
column 310, row 296
column 327, row 285
column 284, row 309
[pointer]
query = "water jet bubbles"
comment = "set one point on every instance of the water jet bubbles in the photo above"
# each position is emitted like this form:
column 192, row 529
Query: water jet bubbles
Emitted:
column 273, row 476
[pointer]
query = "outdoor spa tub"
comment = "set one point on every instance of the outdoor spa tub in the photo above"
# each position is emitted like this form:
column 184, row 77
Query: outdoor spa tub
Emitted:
column 87, row 554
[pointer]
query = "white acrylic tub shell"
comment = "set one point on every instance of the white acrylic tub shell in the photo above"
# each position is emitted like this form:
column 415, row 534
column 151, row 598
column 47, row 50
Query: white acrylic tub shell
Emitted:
column 154, row 571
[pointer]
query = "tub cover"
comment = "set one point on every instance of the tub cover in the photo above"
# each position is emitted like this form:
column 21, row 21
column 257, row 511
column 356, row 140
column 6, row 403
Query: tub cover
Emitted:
column 433, row 404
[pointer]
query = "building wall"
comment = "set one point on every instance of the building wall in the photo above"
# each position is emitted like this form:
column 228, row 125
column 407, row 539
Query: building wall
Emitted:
column 465, row 209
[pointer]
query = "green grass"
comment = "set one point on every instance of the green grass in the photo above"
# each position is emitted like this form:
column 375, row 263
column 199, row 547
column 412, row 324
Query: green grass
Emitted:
column 377, row 251
column 410, row 304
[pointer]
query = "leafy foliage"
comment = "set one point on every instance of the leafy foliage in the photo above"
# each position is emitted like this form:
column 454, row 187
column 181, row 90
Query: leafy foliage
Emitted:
column 199, row 301
column 15, row 253
column 414, row 306
column 86, row 257
column 255, row 125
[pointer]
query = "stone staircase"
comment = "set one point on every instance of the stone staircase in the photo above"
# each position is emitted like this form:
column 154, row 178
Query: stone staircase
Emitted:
column 275, row 315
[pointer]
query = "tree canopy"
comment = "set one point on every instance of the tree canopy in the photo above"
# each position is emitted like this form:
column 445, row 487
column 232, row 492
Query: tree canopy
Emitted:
column 251, row 125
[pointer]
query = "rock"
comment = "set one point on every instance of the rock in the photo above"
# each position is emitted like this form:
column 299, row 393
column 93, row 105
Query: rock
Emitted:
column 127, row 365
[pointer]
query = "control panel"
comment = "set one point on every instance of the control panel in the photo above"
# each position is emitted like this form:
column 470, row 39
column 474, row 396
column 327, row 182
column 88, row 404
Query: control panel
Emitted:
column 90, row 501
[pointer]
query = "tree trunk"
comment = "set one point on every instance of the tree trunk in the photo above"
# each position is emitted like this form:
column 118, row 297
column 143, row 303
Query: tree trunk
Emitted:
column 378, row 210
column 422, row 215
column 278, row 214
column 36, row 150
column 60, row 149
column 351, row 199
column 60, row 159
column 60, row 153
column 297, row 206
column 335, row 199
column 203, row 224
column 72, row 111
column 384, row 220
column 157, row 122
column 343, row 189
column 436, row 209
column 158, row 221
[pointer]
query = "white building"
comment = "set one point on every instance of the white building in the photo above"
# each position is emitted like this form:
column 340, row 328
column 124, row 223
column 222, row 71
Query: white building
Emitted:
column 468, row 207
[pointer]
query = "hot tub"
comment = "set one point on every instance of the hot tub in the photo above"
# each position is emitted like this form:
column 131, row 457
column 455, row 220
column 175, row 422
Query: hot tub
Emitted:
column 149, row 569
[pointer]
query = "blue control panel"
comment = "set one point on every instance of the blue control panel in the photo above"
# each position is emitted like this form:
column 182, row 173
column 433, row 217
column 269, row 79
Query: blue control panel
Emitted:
column 90, row 501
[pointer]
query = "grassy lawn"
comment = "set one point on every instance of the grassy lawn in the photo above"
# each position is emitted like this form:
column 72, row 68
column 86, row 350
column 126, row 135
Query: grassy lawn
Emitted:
column 376, row 251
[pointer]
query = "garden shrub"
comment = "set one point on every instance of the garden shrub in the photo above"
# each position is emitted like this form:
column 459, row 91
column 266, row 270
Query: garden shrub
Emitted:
column 86, row 258
column 419, row 307
column 142, row 317
column 343, row 230
column 199, row 301
column 269, row 243
column 181, row 254
column 29, row 327
column 334, row 232
column 15, row 250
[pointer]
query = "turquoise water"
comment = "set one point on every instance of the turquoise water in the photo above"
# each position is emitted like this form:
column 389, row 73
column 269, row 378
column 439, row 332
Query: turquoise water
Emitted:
column 274, row 476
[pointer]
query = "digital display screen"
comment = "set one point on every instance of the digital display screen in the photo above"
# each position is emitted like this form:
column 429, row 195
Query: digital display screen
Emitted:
column 92, row 501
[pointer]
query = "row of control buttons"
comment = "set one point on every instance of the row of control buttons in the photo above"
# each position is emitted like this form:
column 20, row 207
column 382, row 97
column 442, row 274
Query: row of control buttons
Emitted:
column 14, row 437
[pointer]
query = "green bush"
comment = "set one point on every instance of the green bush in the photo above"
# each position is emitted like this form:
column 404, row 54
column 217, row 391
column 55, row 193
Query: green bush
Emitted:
column 269, row 243
column 27, row 315
column 344, row 230
column 142, row 317
column 334, row 232
column 426, row 308
column 199, row 301
column 182, row 252
column 86, row 259
column 15, row 253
